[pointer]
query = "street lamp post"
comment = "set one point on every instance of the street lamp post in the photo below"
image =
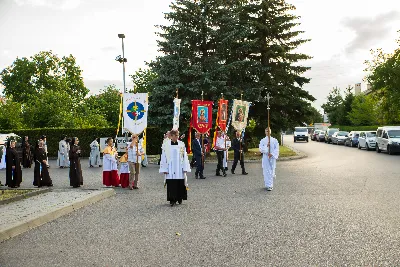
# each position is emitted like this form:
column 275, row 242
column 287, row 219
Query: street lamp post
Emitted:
column 122, row 60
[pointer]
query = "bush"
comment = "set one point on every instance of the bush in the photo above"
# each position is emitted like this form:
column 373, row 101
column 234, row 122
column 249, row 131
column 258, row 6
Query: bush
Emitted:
column 86, row 136
column 357, row 128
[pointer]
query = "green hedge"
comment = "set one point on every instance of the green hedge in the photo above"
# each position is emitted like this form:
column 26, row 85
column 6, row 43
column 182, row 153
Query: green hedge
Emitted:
column 358, row 128
column 86, row 136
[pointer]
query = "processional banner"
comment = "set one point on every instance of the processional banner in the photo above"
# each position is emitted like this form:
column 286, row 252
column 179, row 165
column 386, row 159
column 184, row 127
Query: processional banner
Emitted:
column 240, row 114
column 135, row 112
column 177, row 113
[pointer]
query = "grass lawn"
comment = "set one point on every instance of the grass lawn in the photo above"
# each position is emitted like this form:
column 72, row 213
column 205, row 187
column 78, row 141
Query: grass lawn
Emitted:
column 254, row 154
column 10, row 193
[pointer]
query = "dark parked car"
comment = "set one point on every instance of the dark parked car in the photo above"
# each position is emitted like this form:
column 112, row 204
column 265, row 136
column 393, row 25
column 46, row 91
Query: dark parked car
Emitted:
column 352, row 139
column 328, row 134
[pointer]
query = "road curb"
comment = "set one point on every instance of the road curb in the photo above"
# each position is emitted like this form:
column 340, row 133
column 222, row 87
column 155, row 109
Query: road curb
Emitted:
column 300, row 154
column 30, row 194
column 50, row 216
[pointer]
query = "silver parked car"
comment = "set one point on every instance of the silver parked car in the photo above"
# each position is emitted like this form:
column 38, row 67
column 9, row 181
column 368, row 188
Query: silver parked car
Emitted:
column 339, row 138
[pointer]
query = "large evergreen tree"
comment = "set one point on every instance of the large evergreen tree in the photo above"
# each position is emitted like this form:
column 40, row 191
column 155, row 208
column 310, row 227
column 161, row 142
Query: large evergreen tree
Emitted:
column 232, row 47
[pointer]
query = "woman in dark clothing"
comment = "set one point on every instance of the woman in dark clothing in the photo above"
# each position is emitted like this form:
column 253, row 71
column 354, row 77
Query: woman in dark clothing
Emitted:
column 75, row 171
column 41, row 173
column 13, row 166
column 26, row 153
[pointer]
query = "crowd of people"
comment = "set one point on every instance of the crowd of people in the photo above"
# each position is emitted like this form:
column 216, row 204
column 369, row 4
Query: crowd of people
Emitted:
column 174, row 162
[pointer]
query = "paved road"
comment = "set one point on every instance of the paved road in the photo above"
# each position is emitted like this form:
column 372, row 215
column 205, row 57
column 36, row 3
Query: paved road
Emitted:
column 339, row 206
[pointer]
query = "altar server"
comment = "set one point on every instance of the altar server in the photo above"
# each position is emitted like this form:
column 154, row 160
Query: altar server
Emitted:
column 269, row 158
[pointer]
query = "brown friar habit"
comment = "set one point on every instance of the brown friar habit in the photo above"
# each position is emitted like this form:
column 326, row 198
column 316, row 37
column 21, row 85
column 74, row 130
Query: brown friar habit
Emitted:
column 26, row 155
column 75, row 171
column 13, row 176
column 41, row 173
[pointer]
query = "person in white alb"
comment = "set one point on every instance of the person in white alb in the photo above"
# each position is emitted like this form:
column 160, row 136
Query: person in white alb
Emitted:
column 94, row 159
column 219, row 149
column 174, row 165
column 269, row 159
column 63, row 160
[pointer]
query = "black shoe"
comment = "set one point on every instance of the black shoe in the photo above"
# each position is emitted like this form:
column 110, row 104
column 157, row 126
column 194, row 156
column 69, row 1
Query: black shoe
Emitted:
column 202, row 177
column 226, row 168
column 232, row 171
column 179, row 202
column 218, row 174
column 244, row 173
column 224, row 174
column 172, row 203
column 197, row 177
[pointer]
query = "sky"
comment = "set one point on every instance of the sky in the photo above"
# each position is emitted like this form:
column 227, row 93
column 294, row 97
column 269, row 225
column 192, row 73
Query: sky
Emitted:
column 342, row 33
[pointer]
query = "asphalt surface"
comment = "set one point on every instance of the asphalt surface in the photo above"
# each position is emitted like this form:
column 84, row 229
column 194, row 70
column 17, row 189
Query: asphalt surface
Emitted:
column 338, row 206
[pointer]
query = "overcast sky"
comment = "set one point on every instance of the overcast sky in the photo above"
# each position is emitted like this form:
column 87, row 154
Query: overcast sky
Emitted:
column 342, row 33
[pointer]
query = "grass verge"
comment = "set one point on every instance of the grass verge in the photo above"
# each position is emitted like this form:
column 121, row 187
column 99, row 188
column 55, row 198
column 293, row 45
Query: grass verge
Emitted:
column 11, row 193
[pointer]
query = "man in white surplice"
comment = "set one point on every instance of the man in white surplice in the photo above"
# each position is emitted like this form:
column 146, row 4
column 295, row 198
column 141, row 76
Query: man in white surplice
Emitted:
column 174, row 165
column 94, row 159
column 63, row 159
column 269, row 159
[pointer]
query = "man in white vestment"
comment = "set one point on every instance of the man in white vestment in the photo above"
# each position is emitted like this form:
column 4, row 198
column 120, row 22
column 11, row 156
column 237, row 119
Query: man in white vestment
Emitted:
column 63, row 158
column 174, row 165
column 94, row 159
column 269, row 159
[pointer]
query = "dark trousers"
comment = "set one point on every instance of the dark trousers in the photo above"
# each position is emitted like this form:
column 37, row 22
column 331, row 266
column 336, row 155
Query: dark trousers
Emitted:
column 220, row 157
column 199, row 165
column 235, row 162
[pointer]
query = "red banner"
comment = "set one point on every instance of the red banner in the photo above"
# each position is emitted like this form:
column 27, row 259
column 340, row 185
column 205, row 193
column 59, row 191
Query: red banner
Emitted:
column 222, row 114
column 202, row 115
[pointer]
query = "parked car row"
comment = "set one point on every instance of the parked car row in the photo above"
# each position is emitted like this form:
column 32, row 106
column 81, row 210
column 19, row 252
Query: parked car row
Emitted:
column 385, row 138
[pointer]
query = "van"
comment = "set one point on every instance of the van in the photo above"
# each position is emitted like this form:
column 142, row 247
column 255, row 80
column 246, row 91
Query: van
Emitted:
column 388, row 139
column 300, row 134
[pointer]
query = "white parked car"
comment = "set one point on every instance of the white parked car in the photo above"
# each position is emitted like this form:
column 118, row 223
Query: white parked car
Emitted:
column 388, row 139
column 367, row 140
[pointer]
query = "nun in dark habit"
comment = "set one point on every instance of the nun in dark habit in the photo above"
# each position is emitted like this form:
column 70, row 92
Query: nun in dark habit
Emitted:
column 75, row 171
column 13, row 166
column 26, row 153
column 41, row 173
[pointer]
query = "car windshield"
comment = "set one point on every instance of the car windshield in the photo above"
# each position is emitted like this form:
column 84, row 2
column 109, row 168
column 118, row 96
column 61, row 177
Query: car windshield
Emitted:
column 356, row 135
column 301, row 130
column 333, row 131
column 394, row 133
column 373, row 134
column 342, row 133
column 322, row 132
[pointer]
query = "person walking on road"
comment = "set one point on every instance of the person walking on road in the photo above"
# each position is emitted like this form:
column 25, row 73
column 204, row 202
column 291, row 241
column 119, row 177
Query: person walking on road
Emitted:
column 219, row 149
column 269, row 157
column 237, row 146
column 198, row 153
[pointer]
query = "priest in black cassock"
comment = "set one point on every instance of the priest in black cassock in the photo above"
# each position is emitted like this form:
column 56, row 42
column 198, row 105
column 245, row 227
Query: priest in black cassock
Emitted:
column 13, row 166
column 41, row 173
column 174, row 164
column 75, row 171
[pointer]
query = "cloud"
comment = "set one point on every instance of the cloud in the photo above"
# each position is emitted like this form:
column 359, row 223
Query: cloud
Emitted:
column 109, row 49
column 96, row 85
column 369, row 31
column 54, row 4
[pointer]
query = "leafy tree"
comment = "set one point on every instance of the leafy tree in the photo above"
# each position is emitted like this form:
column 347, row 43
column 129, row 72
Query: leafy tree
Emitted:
column 314, row 116
column 27, row 78
column 363, row 111
column 346, row 107
column 107, row 103
column 11, row 115
column 333, row 105
column 142, row 80
column 384, row 77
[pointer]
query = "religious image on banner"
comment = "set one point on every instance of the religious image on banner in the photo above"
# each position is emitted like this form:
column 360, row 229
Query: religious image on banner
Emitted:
column 135, row 112
column 177, row 113
column 224, row 111
column 202, row 112
column 222, row 114
column 240, row 114
column 202, row 115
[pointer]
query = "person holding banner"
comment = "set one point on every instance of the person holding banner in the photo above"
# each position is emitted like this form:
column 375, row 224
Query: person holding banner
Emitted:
column 110, row 166
column 237, row 146
column 219, row 149
column 198, row 153
column 175, row 165
column 269, row 147
column 135, row 152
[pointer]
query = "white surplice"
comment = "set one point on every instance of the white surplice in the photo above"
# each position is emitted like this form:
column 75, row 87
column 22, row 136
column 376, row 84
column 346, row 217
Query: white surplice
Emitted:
column 110, row 163
column 132, row 155
column 269, row 164
column 63, row 159
column 174, row 161
column 94, row 159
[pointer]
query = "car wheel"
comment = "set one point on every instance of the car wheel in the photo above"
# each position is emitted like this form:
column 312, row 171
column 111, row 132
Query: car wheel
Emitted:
column 359, row 147
column 294, row 140
column 366, row 147
column 389, row 150
column 377, row 149
column 351, row 144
